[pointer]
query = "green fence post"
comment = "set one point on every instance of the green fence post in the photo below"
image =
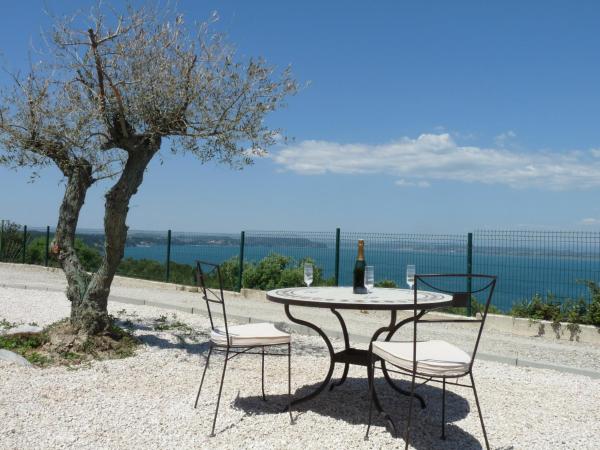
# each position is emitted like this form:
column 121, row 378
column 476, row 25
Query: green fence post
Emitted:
column 47, row 245
column 241, row 269
column 337, row 256
column 168, row 262
column 469, row 271
column 24, row 243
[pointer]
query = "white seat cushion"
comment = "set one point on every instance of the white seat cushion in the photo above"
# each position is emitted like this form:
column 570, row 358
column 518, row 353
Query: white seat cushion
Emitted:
column 251, row 334
column 434, row 358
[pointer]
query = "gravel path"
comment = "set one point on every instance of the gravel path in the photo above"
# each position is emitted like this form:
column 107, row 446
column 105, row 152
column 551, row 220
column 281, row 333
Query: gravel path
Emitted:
column 146, row 401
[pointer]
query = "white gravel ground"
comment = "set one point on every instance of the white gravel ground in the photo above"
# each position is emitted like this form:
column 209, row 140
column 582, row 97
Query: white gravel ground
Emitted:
column 147, row 401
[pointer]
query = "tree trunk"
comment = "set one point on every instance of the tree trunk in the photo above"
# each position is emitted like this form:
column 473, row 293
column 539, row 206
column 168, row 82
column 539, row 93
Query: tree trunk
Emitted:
column 89, row 315
column 79, row 179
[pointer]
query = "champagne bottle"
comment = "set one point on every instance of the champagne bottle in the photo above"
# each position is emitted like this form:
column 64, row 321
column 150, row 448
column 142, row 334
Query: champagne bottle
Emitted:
column 358, row 282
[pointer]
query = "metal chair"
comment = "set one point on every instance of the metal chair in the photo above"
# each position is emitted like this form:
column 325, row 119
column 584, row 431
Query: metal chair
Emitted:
column 435, row 360
column 237, row 339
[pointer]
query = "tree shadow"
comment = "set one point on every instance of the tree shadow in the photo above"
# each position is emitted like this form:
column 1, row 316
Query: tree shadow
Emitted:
column 147, row 333
column 350, row 402
column 193, row 348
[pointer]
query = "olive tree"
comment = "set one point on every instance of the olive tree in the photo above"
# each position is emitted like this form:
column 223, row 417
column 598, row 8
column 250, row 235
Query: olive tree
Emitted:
column 109, row 92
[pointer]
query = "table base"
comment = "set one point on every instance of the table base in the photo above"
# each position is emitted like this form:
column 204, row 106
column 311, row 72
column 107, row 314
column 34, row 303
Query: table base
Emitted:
column 353, row 356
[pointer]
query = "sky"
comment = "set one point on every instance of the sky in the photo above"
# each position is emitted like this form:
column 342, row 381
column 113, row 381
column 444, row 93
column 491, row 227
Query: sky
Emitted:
column 413, row 116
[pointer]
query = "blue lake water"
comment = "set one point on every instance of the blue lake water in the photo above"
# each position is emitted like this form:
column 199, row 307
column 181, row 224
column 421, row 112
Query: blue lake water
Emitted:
column 520, row 275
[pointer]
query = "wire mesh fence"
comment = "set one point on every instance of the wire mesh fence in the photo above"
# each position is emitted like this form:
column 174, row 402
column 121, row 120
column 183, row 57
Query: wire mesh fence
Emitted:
column 391, row 253
column 299, row 246
column 526, row 262
column 544, row 263
column 187, row 248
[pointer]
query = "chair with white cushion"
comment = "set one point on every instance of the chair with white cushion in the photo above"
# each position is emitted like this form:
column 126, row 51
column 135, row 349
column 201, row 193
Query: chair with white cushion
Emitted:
column 436, row 360
column 237, row 339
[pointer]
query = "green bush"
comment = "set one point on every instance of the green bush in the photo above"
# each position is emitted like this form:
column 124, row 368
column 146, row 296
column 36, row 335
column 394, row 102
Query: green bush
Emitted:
column 36, row 252
column 538, row 308
column 276, row 271
column 229, row 275
column 11, row 246
column 148, row 269
column 593, row 309
column 570, row 310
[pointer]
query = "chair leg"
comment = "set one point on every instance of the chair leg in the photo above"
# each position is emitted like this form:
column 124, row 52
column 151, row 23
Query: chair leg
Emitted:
column 487, row 444
column 290, row 383
column 410, row 407
column 212, row 433
column 444, row 408
column 262, row 375
column 370, row 376
column 203, row 373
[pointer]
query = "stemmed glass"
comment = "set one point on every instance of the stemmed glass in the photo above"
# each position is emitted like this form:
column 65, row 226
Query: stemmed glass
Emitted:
column 369, row 278
column 308, row 274
column 410, row 275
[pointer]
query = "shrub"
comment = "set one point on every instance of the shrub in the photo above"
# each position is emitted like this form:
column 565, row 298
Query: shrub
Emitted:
column 275, row 271
column 570, row 310
column 538, row 308
column 90, row 257
column 12, row 242
column 593, row 310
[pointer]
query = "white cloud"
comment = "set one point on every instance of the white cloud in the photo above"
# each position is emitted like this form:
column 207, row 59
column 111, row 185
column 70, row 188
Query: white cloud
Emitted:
column 503, row 139
column 433, row 157
column 405, row 183
column 590, row 221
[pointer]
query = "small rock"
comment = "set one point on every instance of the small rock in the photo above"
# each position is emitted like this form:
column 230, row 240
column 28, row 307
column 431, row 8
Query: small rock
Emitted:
column 23, row 329
column 12, row 357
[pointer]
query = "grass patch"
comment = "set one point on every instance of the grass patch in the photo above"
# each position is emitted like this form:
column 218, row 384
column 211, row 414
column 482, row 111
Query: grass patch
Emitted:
column 58, row 344
column 5, row 324
column 27, row 345
column 162, row 323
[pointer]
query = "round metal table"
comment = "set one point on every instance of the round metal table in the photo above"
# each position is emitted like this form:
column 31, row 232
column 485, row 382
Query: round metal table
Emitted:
column 335, row 298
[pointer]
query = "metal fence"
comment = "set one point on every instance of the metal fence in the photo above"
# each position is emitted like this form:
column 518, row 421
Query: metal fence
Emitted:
column 526, row 262
column 529, row 263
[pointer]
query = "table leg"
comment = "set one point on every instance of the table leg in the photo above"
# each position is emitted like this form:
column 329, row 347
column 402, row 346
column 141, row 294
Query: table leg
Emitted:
column 384, row 369
column 347, row 346
column 371, row 368
column 325, row 382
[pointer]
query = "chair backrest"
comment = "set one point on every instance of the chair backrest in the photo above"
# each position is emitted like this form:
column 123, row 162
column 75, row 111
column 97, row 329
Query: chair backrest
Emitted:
column 464, row 288
column 208, row 277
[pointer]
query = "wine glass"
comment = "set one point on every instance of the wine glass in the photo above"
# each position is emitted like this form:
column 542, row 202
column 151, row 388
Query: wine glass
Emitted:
column 308, row 274
column 369, row 278
column 410, row 275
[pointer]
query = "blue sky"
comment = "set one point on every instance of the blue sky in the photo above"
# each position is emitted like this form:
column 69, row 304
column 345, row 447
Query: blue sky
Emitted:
column 419, row 117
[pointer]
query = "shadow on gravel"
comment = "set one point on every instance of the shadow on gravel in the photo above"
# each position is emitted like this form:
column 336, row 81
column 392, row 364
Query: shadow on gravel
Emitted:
column 193, row 348
column 147, row 332
column 350, row 402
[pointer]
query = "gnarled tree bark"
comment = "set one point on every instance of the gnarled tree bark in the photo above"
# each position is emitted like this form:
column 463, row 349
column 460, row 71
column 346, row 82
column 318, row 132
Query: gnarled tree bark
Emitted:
column 89, row 294
column 79, row 179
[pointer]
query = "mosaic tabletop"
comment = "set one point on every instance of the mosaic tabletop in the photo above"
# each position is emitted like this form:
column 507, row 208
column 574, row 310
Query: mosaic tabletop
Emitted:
column 344, row 298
